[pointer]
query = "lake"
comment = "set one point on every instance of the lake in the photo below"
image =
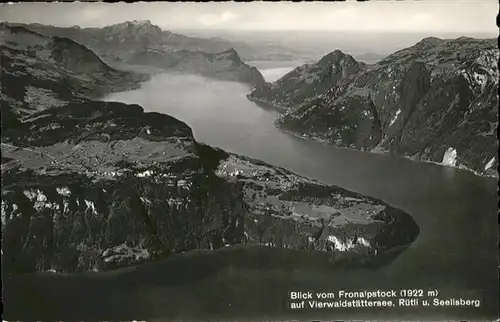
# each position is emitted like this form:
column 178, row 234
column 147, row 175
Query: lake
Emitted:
column 456, row 252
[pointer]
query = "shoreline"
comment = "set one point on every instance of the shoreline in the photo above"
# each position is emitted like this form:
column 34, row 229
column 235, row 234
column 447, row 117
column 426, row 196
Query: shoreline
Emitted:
column 324, row 261
column 266, row 105
column 378, row 151
column 384, row 152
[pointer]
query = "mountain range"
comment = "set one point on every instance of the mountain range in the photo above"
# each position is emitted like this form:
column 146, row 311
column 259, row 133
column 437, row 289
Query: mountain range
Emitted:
column 92, row 186
column 140, row 43
column 436, row 101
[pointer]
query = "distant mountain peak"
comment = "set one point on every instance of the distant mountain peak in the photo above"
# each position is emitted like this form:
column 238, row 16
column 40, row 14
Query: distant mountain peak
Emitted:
column 429, row 41
column 230, row 51
column 337, row 57
column 134, row 24
column 230, row 54
column 337, row 53
column 140, row 22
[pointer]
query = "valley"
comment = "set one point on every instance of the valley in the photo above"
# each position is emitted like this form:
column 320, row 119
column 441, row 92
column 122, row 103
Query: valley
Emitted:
column 154, row 186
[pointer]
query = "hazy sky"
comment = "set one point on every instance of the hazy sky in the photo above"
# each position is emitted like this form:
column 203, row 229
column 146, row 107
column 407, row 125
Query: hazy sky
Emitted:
column 413, row 16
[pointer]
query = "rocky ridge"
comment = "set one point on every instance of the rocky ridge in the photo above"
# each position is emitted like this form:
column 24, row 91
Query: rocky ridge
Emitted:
column 122, row 37
column 435, row 101
column 226, row 65
column 92, row 186
column 40, row 72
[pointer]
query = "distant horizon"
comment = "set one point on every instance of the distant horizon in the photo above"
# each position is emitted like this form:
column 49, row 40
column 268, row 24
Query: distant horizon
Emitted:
column 425, row 16
column 316, row 44
column 413, row 32
column 486, row 34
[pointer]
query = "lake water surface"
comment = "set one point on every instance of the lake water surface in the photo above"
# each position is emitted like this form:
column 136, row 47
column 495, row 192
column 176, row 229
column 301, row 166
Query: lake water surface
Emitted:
column 456, row 252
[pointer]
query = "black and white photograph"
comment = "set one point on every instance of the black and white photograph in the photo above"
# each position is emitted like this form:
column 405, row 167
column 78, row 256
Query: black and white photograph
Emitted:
column 250, row 161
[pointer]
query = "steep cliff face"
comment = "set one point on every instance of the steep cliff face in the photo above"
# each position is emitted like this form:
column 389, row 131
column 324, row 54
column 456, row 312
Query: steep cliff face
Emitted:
column 144, row 44
column 424, row 102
